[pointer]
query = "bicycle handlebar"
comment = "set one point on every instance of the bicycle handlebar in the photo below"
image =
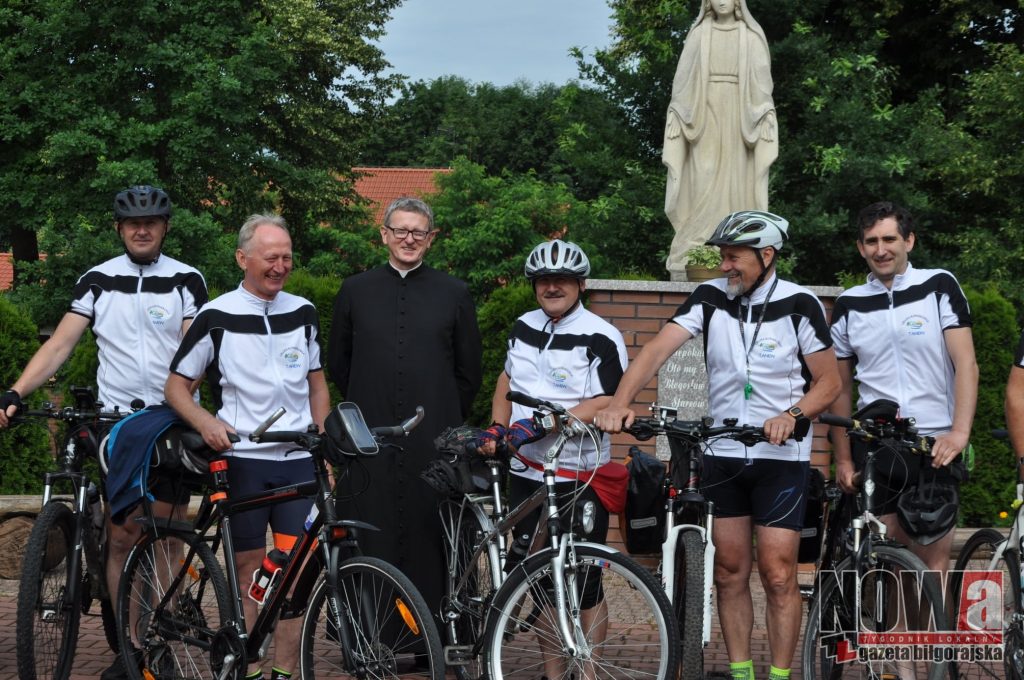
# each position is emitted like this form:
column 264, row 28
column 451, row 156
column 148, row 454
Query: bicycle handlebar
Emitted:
column 402, row 430
column 68, row 414
column 900, row 431
column 695, row 430
column 532, row 402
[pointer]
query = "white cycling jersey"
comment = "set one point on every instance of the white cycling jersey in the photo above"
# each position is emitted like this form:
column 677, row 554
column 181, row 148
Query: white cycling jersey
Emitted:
column 578, row 357
column 792, row 326
column 136, row 313
column 896, row 339
column 257, row 355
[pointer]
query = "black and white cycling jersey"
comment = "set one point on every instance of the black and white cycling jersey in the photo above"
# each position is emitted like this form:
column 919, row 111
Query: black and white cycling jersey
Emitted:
column 578, row 357
column 136, row 313
column 791, row 327
column 256, row 355
column 896, row 339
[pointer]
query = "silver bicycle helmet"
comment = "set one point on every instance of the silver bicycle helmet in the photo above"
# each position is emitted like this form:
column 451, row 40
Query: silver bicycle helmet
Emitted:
column 751, row 228
column 928, row 511
column 557, row 258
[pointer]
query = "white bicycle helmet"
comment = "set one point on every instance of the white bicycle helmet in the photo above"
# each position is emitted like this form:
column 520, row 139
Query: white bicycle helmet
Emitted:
column 751, row 228
column 557, row 258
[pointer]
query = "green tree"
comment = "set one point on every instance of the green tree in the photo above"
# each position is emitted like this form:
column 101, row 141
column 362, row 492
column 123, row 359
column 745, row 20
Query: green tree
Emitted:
column 233, row 107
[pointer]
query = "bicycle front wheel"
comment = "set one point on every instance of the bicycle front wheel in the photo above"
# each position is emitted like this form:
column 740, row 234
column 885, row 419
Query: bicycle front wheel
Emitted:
column 688, row 596
column 49, row 607
column 896, row 596
column 979, row 554
column 385, row 628
column 624, row 626
column 465, row 606
column 172, row 600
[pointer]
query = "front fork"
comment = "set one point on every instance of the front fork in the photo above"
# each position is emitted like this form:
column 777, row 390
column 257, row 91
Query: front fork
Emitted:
column 668, row 568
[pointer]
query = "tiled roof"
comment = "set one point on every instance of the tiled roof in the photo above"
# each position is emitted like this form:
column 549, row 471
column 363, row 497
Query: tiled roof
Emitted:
column 7, row 270
column 383, row 185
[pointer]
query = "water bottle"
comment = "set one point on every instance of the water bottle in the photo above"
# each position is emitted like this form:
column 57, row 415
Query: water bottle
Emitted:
column 92, row 495
column 264, row 577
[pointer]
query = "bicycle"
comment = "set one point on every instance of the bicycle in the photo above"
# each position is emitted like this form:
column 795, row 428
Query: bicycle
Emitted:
column 64, row 566
column 868, row 585
column 688, row 549
column 989, row 550
column 361, row 616
column 493, row 621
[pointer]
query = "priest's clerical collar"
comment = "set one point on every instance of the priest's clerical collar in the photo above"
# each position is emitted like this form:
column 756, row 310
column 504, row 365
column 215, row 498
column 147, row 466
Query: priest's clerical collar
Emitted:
column 405, row 272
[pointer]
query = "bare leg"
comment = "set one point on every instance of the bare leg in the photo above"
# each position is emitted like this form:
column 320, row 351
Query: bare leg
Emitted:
column 776, row 564
column 733, row 562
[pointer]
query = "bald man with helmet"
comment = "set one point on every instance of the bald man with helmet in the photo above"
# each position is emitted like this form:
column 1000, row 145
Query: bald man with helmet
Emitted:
column 770, row 361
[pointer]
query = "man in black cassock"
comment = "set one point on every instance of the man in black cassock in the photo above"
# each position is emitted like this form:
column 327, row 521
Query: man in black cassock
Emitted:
column 404, row 335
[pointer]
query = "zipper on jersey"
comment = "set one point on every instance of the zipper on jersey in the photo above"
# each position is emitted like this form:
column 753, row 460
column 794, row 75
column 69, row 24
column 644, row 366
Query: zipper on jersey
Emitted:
column 897, row 349
column 279, row 380
column 140, row 341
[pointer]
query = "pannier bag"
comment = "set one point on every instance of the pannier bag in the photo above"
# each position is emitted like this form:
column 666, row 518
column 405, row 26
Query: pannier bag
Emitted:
column 644, row 525
column 814, row 518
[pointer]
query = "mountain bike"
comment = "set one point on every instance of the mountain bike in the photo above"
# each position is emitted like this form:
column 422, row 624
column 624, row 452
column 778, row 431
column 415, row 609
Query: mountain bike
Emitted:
column 990, row 551
column 501, row 625
column 873, row 596
column 688, row 550
column 361, row 616
column 64, row 565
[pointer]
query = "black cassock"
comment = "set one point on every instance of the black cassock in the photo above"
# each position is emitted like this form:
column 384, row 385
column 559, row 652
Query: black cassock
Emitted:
column 396, row 344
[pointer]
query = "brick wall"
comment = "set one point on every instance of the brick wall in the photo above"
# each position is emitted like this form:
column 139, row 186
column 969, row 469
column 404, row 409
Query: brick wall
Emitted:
column 639, row 309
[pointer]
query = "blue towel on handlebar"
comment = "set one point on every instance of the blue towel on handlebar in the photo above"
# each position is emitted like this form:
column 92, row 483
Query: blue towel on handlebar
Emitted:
column 131, row 446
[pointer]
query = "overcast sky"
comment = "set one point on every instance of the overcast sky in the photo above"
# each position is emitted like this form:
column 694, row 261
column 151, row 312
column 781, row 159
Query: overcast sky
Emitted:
column 496, row 41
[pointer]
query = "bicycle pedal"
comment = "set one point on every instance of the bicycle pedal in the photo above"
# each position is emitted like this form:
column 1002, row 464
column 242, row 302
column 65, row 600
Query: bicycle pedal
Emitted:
column 458, row 655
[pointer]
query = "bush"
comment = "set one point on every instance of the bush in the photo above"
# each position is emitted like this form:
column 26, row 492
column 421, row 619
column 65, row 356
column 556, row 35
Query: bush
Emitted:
column 991, row 487
column 25, row 452
column 495, row 318
column 321, row 291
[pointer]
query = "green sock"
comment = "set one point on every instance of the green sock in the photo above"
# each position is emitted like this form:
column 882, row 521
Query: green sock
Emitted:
column 278, row 674
column 255, row 675
column 778, row 673
column 744, row 670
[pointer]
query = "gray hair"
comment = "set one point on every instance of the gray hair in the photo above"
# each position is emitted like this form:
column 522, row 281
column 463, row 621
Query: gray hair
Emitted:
column 409, row 204
column 245, row 234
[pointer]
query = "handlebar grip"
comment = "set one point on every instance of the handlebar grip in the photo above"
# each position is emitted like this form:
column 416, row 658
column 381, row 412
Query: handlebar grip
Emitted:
column 524, row 399
column 839, row 421
column 388, row 431
column 278, row 437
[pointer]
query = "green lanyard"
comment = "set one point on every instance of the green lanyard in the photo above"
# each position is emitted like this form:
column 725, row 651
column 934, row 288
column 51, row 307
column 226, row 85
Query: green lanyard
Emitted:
column 748, row 389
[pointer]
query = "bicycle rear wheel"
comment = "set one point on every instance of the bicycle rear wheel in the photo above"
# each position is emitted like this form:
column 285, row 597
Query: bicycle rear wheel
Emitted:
column 630, row 632
column 689, row 604
column 49, row 609
column 172, row 600
column 833, row 626
column 464, row 609
column 390, row 630
column 979, row 554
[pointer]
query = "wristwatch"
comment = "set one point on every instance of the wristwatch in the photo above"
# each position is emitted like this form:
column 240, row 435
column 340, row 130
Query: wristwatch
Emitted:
column 795, row 412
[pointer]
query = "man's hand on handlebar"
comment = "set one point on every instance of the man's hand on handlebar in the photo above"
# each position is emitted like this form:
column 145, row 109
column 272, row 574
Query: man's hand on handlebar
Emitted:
column 614, row 419
column 10, row 404
column 487, row 442
column 780, row 428
column 215, row 433
column 947, row 447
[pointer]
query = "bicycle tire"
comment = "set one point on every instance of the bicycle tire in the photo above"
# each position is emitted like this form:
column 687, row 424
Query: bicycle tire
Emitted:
column 392, row 629
column 464, row 611
column 642, row 635
column 978, row 553
column 49, row 608
column 689, row 604
column 173, row 639
column 823, row 646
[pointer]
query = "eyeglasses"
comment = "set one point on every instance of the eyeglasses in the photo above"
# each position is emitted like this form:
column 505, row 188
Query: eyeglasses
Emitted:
column 401, row 233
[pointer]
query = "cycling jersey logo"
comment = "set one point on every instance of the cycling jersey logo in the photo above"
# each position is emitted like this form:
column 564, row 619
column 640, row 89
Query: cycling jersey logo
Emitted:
column 915, row 325
column 292, row 357
column 766, row 347
column 158, row 315
column 559, row 377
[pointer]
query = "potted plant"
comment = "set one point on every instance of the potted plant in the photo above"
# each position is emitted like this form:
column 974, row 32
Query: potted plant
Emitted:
column 702, row 263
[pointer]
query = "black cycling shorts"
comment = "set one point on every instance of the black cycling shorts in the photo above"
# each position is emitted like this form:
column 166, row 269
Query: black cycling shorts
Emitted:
column 520, row 488
column 897, row 471
column 253, row 475
column 773, row 492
